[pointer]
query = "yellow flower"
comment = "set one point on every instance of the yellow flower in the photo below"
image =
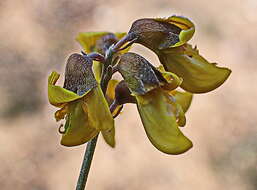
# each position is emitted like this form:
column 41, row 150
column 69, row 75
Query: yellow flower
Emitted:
column 159, row 110
column 168, row 38
column 82, row 103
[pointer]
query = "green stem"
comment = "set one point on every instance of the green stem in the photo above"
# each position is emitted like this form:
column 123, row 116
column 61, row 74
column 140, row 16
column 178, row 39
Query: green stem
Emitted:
column 88, row 156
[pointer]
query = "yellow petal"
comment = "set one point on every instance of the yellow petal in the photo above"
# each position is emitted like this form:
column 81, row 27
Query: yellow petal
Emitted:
column 57, row 95
column 110, row 92
column 199, row 76
column 53, row 77
column 117, row 111
column 177, row 110
column 183, row 98
column 77, row 128
column 98, row 111
column 160, row 123
column 97, row 69
column 110, row 96
column 181, row 118
column 109, row 137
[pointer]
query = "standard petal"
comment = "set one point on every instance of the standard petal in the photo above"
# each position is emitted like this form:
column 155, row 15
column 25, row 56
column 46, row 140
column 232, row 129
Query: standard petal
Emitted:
column 77, row 127
column 199, row 76
column 160, row 123
column 98, row 111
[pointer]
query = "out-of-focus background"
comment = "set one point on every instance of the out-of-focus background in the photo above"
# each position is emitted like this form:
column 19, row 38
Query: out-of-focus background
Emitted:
column 36, row 37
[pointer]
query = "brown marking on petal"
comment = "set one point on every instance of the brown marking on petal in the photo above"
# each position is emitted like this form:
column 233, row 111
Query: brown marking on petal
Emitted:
column 138, row 73
column 79, row 76
column 152, row 33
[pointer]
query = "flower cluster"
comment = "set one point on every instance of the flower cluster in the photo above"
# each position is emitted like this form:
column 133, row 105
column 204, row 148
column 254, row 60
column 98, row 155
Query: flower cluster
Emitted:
column 90, row 99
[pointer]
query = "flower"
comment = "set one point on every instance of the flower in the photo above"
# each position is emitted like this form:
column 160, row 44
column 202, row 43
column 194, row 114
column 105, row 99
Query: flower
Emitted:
column 81, row 103
column 160, row 113
column 168, row 38
column 161, row 106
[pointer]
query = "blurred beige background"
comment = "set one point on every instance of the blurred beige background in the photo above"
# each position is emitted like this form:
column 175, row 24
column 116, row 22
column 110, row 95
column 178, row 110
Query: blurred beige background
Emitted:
column 37, row 36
